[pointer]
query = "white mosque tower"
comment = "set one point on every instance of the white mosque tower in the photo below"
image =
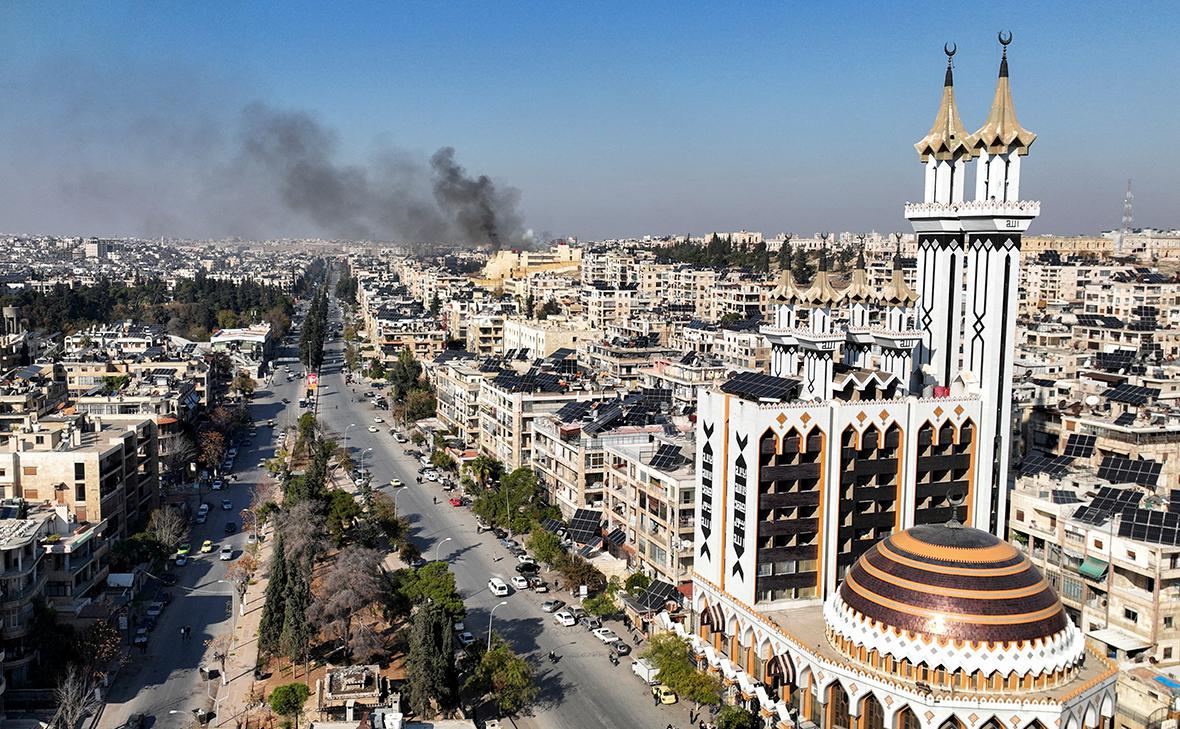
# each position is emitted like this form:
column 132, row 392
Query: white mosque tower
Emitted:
column 970, row 252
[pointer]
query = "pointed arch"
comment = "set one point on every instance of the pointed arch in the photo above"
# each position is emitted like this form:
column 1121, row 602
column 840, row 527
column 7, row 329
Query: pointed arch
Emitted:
column 872, row 713
column 839, row 707
column 905, row 718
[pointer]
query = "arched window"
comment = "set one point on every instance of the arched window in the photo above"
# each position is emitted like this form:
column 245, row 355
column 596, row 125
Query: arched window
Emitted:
column 907, row 720
column 838, row 715
column 872, row 714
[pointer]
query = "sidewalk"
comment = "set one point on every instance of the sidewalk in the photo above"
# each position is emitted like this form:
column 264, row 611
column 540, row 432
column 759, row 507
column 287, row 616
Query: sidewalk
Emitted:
column 234, row 699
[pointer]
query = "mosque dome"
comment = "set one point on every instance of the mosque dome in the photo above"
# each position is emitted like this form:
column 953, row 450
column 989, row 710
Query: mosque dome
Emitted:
column 953, row 598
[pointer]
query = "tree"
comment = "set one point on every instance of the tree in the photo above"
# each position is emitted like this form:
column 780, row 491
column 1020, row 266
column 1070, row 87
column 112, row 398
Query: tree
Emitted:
column 176, row 461
column 636, row 583
column 270, row 626
column 432, row 583
column 545, row 545
column 548, row 309
column 302, row 526
column 211, row 448
column 435, row 304
column 670, row 654
column 244, row 384
column 430, row 666
column 287, row 700
column 384, row 514
column 376, row 369
column 352, row 356
column 506, row 676
column 167, row 526
column 219, row 647
column 297, row 634
column 735, row 717
column 352, row 587
column 600, row 605
column 577, row 571
column 485, row 469
column 514, row 505
column 342, row 510
column 442, row 460
column 98, row 645
column 420, row 404
column 74, row 696
column 802, row 270
column 306, row 429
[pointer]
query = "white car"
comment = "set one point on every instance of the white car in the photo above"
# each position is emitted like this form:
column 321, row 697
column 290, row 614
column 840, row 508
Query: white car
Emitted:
column 606, row 635
column 372, row 428
column 519, row 582
column 465, row 638
column 526, row 559
column 498, row 587
column 565, row 618
column 378, row 419
column 226, row 553
column 431, row 476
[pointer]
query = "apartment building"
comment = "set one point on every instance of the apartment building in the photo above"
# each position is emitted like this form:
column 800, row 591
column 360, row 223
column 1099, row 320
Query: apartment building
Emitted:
column 98, row 468
column 684, row 376
column 457, row 377
column 622, row 362
column 567, row 452
column 648, row 514
column 23, row 576
column 541, row 338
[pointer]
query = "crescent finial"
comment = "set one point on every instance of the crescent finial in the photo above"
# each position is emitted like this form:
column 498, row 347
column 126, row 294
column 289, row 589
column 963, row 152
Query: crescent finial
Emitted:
column 1004, row 41
column 949, row 49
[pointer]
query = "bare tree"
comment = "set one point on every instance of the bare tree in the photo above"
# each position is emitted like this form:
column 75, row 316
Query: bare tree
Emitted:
column 352, row 586
column 177, row 460
column 75, row 698
column 167, row 526
column 303, row 531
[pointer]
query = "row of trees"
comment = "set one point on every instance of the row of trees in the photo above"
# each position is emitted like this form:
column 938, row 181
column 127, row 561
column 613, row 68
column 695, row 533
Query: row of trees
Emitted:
column 346, row 289
column 193, row 308
column 721, row 252
column 315, row 330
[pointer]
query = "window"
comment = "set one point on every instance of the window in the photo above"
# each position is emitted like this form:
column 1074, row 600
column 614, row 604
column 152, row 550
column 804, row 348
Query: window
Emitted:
column 79, row 471
column 1167, row 621
column 1130, row 554
column 1019, row 515
column 79, row 492
column 1131, row 615
column 1098, row 544
column 29, row 470
column 1167, row 653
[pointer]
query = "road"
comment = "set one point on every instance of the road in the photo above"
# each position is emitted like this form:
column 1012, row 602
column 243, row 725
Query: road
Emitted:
column 583, row 689
column 166, row 678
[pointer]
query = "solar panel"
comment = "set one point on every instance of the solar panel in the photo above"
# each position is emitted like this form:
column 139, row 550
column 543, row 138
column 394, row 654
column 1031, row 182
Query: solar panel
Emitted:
column 585, row 526
column 658, row 594
column 667, row 457
column 616, row 537
column 1108, row 502
column 1131, row 394
column 1174, row 500
column 586, row 551
column 1037, row 462
column 572, row 411
column 1125, row 419
column 1063, row 496
column 552, row 525
column 1117, row 469
column 757, row 386
column 1080, row 446
column 606, row 416
column 1154, row 527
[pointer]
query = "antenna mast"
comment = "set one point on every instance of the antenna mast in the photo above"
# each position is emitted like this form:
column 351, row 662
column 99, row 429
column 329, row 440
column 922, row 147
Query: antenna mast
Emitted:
column 1128, row 218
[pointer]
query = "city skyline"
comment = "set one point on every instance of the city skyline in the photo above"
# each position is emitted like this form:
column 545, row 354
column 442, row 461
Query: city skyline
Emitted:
column 612, row 122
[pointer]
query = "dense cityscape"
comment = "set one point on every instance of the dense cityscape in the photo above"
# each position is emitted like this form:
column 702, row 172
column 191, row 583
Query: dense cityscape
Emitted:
column 922, row 478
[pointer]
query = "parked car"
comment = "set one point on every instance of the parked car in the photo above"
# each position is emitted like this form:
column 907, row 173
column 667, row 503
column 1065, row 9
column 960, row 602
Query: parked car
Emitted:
column 378, row 419
column 519, row 582
column 226, row 554
column 538, row 584
column 663, row 694
column 564, row 619
column 372, row 428
column 141, row 636
column 528, row 569
column 183, row 549
column 167, row 579
column 591, row 623
column 465, row 638
column 456, row 501
column 218, row 485
column 551, row 606
column 606, row 635
column 181, row 560
column 621, row 648
column 525, row 559
column 498, row 587
column 206, row 546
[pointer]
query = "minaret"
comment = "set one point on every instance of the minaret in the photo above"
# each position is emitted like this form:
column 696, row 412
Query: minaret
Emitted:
column 945, row 151
column 859, row 297
column 784, row 355
column 992, row 227
column 818, row 344
column 897, row 300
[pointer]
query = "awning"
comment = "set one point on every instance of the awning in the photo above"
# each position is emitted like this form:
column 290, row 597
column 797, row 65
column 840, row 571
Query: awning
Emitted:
column 782, row 666
column 714, row 617
column 1093, row 568
column 1072, row 553
column 1119, row 639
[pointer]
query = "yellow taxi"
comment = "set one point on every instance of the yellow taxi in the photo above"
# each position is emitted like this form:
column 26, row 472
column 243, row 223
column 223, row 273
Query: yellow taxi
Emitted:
column 664, row 694
column 207, row 546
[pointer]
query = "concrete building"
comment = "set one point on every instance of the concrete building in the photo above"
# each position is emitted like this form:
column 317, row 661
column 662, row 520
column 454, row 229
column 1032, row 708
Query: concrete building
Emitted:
column 541, row 338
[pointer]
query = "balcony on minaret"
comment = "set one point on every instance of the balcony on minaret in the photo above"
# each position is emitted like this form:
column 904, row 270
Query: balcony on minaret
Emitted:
column 1012, row 215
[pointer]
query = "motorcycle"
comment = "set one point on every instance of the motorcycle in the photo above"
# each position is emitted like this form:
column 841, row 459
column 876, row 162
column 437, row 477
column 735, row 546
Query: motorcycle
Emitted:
column 553, row 657
column 614, row 659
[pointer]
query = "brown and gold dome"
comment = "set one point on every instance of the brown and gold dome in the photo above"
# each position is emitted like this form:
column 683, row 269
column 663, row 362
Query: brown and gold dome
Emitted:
column 954, row 597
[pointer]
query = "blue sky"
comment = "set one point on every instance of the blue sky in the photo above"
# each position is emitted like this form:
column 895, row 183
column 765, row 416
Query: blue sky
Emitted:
column 609, row 118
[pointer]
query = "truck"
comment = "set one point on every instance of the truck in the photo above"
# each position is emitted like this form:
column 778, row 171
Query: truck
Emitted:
column 645, row 670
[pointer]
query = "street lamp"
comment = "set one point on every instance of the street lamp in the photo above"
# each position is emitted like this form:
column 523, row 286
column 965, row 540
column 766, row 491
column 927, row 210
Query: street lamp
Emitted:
column 352, row 425
column 396, row 493
column 490, row 614
column 439, row 545
column 362, row 461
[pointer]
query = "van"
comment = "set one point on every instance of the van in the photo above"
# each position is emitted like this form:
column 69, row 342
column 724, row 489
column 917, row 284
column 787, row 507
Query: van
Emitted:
column 645, row 670
column 498, row 587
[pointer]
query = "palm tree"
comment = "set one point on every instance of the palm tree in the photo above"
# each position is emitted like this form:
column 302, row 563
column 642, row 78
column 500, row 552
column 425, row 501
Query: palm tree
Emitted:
column 484, row 469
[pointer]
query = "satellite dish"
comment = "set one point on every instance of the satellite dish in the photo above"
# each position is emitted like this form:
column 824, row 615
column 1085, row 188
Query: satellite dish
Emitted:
column 1092, row 400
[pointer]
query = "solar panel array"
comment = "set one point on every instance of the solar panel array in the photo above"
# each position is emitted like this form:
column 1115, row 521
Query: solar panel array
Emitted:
column 1064, row 496
column 616, row 537
column 1107, row 503
column 1080, row 446
column 606, row 417
column 1037, row 462
column 1174, row 500
column 585, row 526
column 658, row 594
column 1131, row 394
column 1115, row 361
column 1125, row 419
column 1155, row 527
column 1097, row 320
column 1118, row 469
column 576, row 410
column 757, row 386
column 552, row 525
column 667, row 457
